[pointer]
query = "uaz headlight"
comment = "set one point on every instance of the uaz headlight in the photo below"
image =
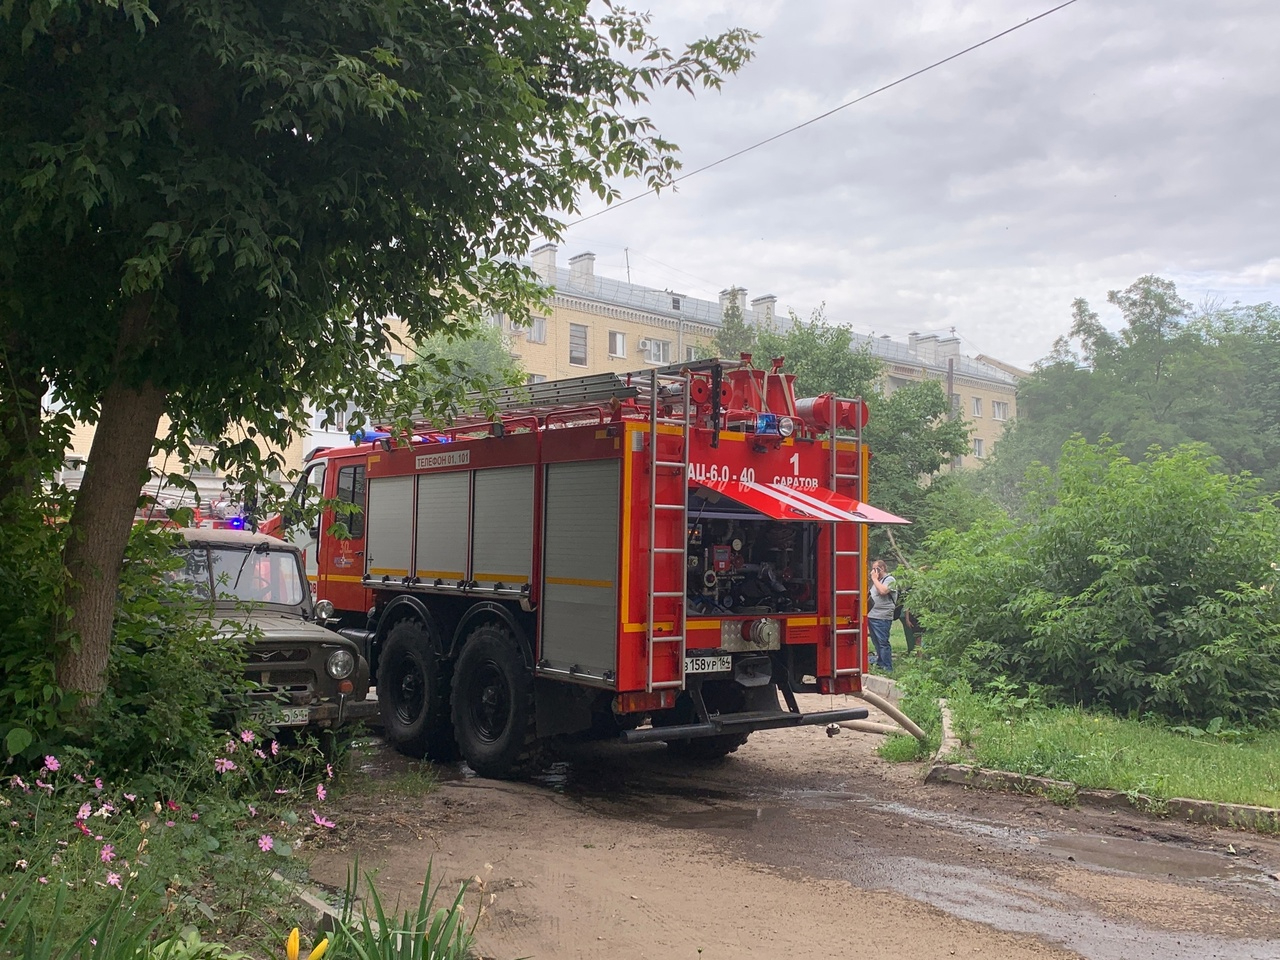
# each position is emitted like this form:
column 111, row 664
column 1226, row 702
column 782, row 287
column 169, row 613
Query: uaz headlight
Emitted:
column 340, row 665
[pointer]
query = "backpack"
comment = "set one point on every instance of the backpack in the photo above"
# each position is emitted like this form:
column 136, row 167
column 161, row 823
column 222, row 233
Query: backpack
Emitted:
column 899, row 596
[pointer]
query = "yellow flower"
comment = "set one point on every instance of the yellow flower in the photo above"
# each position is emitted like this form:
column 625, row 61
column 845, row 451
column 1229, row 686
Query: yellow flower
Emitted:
column 291, row 947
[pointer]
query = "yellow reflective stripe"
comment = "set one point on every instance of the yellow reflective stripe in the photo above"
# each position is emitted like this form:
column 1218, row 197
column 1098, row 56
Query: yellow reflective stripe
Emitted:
column 500, row 578
column 388, row 572
column 576, row 582
column 441, row 574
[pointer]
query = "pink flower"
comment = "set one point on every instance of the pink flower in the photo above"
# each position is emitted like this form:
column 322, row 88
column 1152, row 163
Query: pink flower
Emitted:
column 320, row 791
column 20, row 783
column 113, row 880
column 328, row 769
column 79, row 779
column 42, row 879
column 44, row 786
column 246, row 736
column 253, row 811
column 97, row 783
column 275, row 748
column 83, row 829
column 51, row 764
column 281, row 790
column 195, row 817
column 223, row 765
column 86, row 809
column 131, row 797
column 168, row 823
column 265, row 842
column 108, row 853
column 171, row 805
column 322, row 821
column 259, row 754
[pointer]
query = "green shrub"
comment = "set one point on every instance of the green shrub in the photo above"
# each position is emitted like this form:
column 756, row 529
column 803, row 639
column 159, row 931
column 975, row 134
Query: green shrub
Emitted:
column 172, row 677
column 1141, row 587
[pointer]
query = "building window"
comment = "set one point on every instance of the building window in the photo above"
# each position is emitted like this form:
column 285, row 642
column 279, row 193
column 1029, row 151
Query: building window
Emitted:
column 351, row 490
column 957, row 463
column 617, row 344
column 675, row 303
column 977, row 406
column 535, row 378
column 495, row 318
column 577, row 345
column 979, row 448
column 537, row 330
column 658, row 351
column 690, row 354
column 1000, row 409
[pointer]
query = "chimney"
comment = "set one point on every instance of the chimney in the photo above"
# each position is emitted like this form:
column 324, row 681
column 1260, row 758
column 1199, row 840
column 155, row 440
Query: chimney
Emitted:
column 582, row 269
column 544, row 262
column 912, row 337
column 927, row 348
column 764, row 308
column 948, row 347
column 733, row 295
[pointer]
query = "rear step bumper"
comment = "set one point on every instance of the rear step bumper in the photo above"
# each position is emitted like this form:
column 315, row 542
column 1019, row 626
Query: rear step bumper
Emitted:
column 741, row 723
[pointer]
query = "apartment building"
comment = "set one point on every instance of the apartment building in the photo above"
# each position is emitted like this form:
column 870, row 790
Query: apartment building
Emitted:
column 983, row 391
column 596, row 324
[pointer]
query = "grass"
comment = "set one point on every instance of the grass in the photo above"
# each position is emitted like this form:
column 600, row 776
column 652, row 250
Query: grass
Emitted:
column 1105, row 752
column 1091, row 750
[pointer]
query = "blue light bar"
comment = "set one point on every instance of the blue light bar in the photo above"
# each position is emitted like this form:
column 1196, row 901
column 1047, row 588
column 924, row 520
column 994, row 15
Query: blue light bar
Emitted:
column 361, row 435
column 767, row 423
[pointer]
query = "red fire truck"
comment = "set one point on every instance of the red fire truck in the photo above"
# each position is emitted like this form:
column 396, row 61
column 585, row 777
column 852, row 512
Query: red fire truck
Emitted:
column 653, row 556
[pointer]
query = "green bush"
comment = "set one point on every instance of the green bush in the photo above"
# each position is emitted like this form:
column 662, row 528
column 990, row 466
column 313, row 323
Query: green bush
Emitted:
column 1142, row 587
column 172, row 677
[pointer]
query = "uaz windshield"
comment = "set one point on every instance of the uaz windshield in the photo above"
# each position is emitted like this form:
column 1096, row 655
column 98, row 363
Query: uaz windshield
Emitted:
column 231, row 574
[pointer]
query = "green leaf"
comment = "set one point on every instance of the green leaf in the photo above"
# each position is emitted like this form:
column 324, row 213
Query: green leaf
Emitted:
column 18, row 739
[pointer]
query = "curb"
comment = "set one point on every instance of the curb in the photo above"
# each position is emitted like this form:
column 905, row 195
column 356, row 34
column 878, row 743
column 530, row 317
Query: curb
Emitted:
column 1238, row 815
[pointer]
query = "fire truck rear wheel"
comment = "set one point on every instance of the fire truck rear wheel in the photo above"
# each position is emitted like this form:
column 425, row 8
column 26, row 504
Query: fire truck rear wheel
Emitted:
column 493, row 712
column 413, row 694
column 720, row 697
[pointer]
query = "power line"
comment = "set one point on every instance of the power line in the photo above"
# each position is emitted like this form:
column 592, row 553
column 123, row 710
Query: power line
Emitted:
column 823, row 116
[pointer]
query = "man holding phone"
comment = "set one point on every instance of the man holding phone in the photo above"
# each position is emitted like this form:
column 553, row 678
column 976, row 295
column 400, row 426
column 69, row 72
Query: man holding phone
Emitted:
column 884, row 597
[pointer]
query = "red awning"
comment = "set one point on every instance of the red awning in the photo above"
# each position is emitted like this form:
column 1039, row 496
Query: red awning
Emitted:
column 791, row 503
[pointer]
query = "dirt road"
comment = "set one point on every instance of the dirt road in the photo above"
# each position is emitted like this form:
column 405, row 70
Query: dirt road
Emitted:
column 802, row 846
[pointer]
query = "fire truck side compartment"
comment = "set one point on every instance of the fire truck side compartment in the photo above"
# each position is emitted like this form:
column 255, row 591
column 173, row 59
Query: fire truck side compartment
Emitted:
column 502, row 527
column 389, row 539
column 444, row 511
column 580, row 570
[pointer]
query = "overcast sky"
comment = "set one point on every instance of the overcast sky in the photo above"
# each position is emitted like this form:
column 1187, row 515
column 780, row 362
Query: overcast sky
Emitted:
column 1107, row 141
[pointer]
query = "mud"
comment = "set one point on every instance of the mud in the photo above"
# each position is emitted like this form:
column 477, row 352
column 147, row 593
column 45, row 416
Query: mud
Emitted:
column 802, row 846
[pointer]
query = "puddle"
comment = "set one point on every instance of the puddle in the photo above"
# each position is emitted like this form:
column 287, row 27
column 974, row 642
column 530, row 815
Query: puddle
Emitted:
column 1016, row 906
column 374, row 759
column 1150, row 858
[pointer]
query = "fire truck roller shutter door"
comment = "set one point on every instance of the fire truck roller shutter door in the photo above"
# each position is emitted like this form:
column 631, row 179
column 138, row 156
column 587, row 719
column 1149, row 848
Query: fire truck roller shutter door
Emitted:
column 388, row 538
column 580, row 567
column 502, row 531
column 444, row 504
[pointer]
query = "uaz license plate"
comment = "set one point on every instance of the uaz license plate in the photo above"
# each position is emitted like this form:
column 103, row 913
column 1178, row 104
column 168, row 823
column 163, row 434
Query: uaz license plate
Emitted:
column 722, row 664
column 294, row 716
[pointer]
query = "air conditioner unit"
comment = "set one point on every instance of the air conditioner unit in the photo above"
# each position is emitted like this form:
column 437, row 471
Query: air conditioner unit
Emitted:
column 643, row 345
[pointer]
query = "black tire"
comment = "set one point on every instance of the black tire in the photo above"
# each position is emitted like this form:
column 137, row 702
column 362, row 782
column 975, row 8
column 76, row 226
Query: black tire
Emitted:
column 413, row 694
column 493, row 712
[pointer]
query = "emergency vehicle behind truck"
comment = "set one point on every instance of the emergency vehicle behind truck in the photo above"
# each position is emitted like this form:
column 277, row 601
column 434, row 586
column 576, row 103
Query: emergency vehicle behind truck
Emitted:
column 652, row 556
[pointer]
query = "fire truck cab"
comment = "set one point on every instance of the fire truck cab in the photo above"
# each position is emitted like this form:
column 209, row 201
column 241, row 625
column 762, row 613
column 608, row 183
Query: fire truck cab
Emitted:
column 656, row 556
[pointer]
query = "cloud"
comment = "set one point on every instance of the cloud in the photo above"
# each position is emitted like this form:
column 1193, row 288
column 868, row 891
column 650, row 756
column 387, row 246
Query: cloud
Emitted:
column 1099, row 144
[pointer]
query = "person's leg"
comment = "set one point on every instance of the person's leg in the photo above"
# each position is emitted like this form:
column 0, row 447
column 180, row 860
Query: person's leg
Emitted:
column 880, row 639
column 909, row 632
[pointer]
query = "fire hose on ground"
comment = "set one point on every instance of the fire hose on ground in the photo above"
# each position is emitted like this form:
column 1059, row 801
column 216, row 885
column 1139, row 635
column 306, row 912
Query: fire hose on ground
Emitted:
column 884, row 706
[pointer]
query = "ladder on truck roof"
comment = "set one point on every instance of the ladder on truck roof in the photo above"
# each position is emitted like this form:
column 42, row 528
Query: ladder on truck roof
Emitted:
column 672, row 513
column 537, row 399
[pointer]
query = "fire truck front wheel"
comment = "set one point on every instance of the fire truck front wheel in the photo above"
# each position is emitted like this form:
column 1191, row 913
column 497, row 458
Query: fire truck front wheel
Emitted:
column 413, row 694
column 493, row 712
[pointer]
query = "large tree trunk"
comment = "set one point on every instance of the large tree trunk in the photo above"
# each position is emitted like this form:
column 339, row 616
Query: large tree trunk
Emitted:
column 99, row 532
